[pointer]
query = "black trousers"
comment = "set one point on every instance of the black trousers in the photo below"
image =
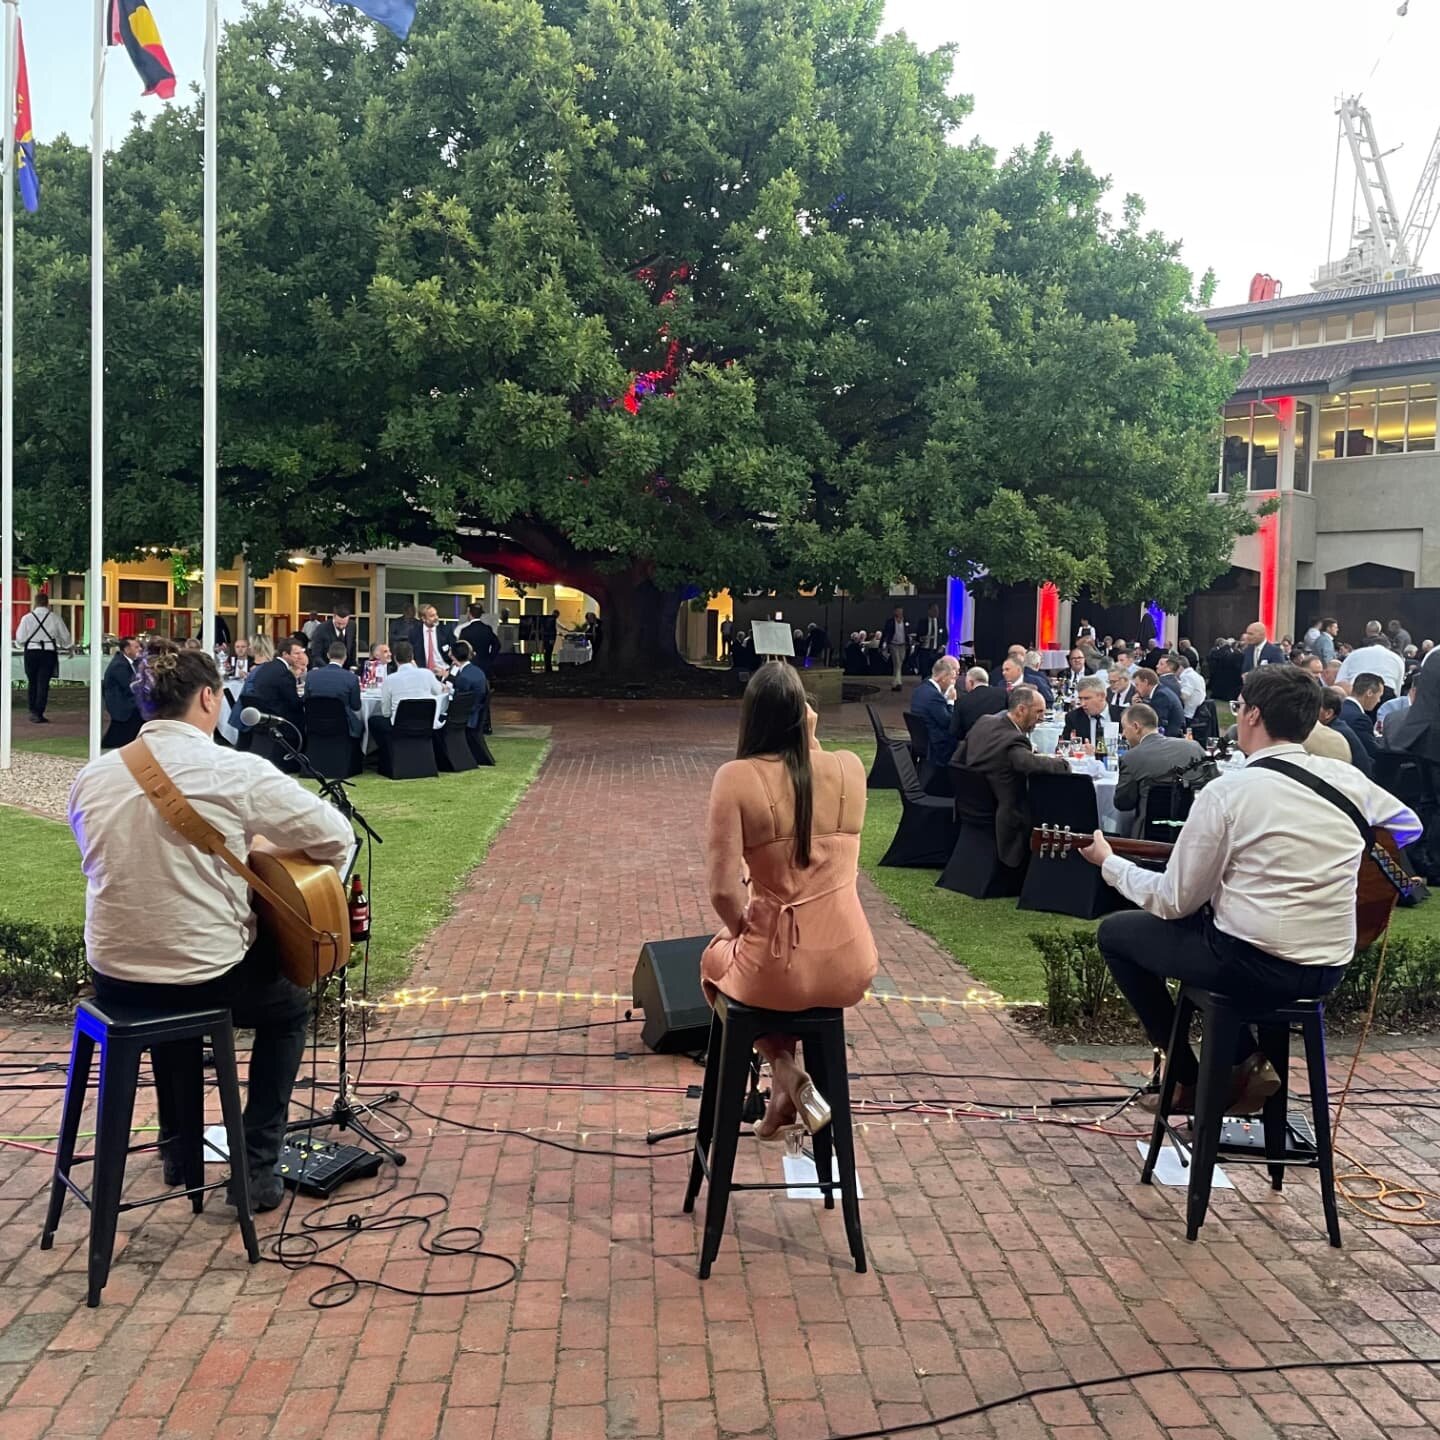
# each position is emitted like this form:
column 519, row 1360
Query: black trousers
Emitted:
column 41, row 667
column 258, row 997
column 549, row 651
column 1143, row 951
column 121, row 732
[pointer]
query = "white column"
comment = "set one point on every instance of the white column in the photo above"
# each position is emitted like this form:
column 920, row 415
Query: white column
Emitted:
column 212, row 333
column 97, row 372
column 7, row 393
column 378, row 633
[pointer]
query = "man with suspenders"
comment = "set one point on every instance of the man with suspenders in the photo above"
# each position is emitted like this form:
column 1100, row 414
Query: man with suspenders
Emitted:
column 41, row 636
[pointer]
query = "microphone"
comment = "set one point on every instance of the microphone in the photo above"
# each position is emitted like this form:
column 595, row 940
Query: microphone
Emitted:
column 250, row 717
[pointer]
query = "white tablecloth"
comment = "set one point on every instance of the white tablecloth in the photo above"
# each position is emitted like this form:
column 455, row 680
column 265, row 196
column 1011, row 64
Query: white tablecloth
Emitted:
column 1046, row 735
column 369, row 707
column 573, row 650
column 1111, row 821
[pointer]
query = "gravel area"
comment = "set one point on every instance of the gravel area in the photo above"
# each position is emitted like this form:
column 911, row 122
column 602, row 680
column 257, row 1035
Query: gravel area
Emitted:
column 40, row 783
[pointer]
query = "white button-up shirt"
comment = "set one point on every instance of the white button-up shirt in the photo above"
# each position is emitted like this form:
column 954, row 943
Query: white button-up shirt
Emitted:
column 1278, row 862
column 157, row 909
column 42, row 629
column 1192, row 691
column 1378, row 660
column 409, row 682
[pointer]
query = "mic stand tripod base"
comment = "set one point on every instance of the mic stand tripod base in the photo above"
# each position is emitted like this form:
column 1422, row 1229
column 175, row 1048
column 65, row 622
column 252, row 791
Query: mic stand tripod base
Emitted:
column 1151, row 1087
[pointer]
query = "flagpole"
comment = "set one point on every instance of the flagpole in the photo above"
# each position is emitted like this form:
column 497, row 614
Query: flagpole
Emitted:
column 94, row 606
column 7, row 390
column 208, row 474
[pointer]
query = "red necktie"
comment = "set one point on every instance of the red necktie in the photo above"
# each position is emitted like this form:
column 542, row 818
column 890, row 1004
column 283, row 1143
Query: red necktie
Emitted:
column 430, row 647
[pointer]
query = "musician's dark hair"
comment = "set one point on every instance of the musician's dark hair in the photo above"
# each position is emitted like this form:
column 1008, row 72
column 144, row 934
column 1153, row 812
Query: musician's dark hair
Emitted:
column 403, row 651
column 460, row 650
column 338, row 650
column 168, row 679
column 1288, row 700
column 773, row 722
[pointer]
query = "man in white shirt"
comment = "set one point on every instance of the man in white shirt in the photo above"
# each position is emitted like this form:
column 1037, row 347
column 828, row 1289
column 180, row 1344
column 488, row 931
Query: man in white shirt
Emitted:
column 41, row 636
column 167, row 924
column 409, row 682
column 1192, row 685
column 1258, row 897
column 1374, row 657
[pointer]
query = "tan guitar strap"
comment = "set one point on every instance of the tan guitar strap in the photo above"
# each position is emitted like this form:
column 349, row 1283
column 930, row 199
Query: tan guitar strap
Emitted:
column 185, row 820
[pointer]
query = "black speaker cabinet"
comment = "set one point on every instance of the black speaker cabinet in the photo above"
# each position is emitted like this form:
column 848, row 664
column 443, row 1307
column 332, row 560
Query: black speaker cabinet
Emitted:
column 666, row 986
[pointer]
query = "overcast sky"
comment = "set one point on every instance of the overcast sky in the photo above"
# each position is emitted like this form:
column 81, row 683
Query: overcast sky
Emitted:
column 1220, row 114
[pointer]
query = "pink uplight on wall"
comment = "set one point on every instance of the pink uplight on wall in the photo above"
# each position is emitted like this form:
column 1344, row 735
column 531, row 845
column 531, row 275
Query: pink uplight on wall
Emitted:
column 1047, row 622
column 1269, row 572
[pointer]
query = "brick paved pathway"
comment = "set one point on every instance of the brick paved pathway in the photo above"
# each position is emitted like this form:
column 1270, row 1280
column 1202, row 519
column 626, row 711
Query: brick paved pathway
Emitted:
column 1002, row 1255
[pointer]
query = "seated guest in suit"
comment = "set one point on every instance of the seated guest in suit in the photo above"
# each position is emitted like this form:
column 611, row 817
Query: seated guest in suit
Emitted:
column 1151, row 760
column 1192, row 685
column 855, row 654
column 467, row 678
column 239, row 661
column 980, row 698
column 1358, row 711
column 430, row 639
column 1077, row 667
column 340, row 626
column 1029, row 664
column 999, row 747
column 1121, row 693
column 1332, row 704
column 120, row 703
column 380, row 664
column 933, row 703
column 1087, row 721
column 1162, row 700
column 273, row 689
column 409, row 682
column 333, row 679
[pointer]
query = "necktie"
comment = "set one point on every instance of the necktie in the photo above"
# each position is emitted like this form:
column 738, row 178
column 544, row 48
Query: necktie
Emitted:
column 430, row 647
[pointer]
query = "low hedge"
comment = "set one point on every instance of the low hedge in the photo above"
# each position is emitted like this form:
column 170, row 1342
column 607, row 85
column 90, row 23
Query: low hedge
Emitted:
column 40, row 962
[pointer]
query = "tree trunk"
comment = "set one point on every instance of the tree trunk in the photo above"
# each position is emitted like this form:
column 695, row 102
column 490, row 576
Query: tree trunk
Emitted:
column 638, row 622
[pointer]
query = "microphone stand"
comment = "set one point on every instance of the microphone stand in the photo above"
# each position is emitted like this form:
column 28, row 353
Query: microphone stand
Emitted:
column 343, row 1113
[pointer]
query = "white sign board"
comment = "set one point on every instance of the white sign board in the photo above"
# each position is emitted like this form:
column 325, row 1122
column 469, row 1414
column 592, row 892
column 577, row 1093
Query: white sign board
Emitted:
column 772, row 637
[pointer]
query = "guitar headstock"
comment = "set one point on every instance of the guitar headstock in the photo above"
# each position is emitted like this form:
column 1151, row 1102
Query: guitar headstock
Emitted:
column 1054, row 842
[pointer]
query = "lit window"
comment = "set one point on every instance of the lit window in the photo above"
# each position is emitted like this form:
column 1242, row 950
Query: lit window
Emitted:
column 1235, row 460
column 1362, row 324
column 1228, row 341
column 1309, row 332
column 1332, row 426
column 1265, row 450
column 1399, row 319
column 1427, row 315
column 1420, row 430
column 1252, row 339
column 1302, row 446
column 1360, row 424
column 1283, row 336
column 1390, row 421
column 1337, row 328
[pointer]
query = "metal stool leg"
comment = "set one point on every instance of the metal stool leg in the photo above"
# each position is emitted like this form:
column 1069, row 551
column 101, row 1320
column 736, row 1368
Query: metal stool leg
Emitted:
column 119, row 1073
column 1216, row 1055
column 837, row 1080
column 1275, row 1046
column 1314, row 1032
column 1179, row 1036
column 822, row 1144
column 705, row 1125
column 222, row 1041
column 729, row 1107
column 81, row 1052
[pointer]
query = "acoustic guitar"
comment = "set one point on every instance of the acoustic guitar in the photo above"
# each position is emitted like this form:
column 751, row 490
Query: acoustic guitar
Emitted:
column 303, row 915
column 1382, row 881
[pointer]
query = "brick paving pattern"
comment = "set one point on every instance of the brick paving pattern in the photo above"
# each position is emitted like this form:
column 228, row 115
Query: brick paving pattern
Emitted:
column 1003, row 1256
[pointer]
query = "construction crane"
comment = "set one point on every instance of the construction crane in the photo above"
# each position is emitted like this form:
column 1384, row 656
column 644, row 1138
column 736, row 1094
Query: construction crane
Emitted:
column 1382, row 246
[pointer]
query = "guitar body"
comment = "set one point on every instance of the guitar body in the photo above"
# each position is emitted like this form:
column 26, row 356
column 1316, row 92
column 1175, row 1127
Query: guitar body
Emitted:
column 311, row 890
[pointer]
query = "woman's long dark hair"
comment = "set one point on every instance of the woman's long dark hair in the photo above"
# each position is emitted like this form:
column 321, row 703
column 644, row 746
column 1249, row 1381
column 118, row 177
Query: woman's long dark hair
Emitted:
column 773, row 722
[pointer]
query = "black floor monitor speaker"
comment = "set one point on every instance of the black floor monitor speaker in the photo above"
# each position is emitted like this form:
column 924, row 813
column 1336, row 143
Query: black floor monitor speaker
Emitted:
column 666, row 986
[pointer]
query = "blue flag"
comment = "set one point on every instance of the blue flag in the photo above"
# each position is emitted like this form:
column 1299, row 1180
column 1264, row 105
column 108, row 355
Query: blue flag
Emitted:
column 397, row 16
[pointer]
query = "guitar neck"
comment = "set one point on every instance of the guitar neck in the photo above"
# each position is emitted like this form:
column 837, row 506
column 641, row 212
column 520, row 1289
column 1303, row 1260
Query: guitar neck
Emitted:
column 1140, row 849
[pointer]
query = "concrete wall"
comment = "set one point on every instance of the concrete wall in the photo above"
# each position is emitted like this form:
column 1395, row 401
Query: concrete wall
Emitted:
column 1382, row 510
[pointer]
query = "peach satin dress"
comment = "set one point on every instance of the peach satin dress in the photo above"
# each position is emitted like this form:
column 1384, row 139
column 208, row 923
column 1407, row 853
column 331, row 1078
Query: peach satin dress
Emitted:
column 805, row 940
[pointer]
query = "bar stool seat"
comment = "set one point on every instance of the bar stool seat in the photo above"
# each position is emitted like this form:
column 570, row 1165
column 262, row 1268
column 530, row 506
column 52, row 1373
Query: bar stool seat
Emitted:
column 1223, row 1017
column 733, row 1030
column 175, row 1040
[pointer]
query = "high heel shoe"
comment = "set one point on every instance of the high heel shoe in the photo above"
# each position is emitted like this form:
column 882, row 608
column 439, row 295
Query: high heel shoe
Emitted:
column 813, row 1106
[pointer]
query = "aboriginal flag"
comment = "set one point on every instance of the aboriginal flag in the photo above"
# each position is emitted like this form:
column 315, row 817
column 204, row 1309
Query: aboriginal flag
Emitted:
column 25, row 175
column 133, row 26
column 397, row 16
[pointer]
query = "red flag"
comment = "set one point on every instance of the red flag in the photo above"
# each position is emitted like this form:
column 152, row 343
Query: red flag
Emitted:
column 28, row 180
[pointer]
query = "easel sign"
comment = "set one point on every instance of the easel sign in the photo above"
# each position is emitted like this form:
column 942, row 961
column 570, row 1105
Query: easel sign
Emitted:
column 772, row 639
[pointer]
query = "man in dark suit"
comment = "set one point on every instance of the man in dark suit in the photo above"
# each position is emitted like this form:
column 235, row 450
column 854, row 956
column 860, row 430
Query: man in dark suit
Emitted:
column 333, row 680
column 401, row 626
column 1358, row 711
column 1120, row 693
column 340, row 626
column 1087, row 720
column 979, row 698
column 1030, row 673
column 272, row 689
column 999, row 747
column 1332, row 702
column 431, row 640
column 933, row 705
column 483, row 642
column 1165, row 703
column 1258, row 650
column 549, row 634
column 1151, row 760
column 469, row 679
column 120, row 704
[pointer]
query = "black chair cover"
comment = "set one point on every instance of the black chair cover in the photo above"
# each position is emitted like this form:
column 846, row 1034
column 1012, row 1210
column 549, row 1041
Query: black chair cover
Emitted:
column 927, row 830
column 328, row 743
column 975, row 867
column 411, row 753
column 1070, row 885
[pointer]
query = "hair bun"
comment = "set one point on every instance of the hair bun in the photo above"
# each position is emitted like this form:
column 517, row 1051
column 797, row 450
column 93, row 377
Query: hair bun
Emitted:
column 164, row 662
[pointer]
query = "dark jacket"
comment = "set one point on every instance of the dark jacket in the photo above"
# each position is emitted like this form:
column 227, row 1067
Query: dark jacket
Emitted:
column 120, row 701
column 996, row 749
column 1118, row 707
column 470, row 680
column 887, row 632
column 972, row 704
column 931, row 707
column 1166, row 704
column 324, row 637
column 1267, row 654
column 271, row 689
column 1152, row 762
column 1360, row 757
column 1224, row 664
column 482, row 640
column 1041, row 683
column 343, row 685
column 1362, row 722
column 444, row 638
column 1078, row 726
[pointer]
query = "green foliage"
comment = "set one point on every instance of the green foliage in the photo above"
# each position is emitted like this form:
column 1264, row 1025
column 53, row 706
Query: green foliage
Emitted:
column 441, row 265
column 41, row 961
column 1078, row 985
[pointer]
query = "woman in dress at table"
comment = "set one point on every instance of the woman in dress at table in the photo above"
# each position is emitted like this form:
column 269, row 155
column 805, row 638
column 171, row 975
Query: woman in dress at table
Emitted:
column 783, row 851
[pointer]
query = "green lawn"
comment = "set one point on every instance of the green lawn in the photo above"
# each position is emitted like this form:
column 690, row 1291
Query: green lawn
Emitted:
column 991, row 938
column 76, row 747
column 435, row 831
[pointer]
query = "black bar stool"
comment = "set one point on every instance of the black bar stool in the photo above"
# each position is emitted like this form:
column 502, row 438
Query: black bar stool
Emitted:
column 176, row 1043
column 733, row 1031
column 1224, row 1015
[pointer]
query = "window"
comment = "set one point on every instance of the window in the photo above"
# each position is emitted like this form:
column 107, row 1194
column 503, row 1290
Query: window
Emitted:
column 1332, row 427
column 1252, row 339
column 322, row 599
column 1235, row 457
column 1362, row 324
column 1399, row 319
column 1360, row 424
column 1420, row 427
column 264, row 597
column 1228, row 341
column 1302, row 447
column 1427, row 315
column 1309, row 332
column 1282, row 337
column 229, row 597
column 1396, row 420
column 449, row 607
column 1390, row 421
column 144, row 592
column 1337, row 328
column 1265, row 450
